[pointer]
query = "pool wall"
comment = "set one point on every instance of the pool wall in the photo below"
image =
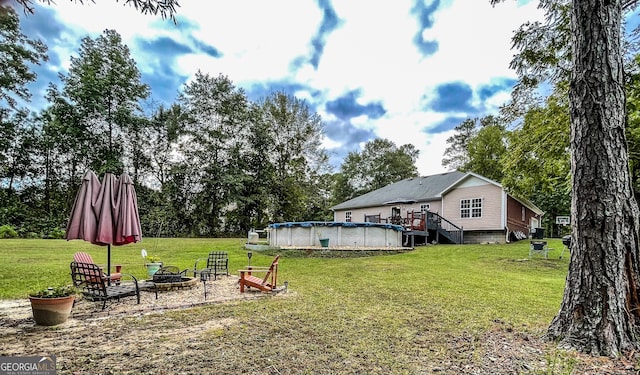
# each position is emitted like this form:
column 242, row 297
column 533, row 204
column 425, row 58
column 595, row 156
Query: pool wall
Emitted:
column 309, row 233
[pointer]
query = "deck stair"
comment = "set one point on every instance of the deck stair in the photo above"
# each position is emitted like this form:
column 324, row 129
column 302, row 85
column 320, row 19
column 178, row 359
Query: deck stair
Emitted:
column 444, row 230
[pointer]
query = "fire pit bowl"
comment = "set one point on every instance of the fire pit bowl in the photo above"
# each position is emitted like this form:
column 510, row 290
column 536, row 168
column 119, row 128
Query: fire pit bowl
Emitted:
column 170, row 277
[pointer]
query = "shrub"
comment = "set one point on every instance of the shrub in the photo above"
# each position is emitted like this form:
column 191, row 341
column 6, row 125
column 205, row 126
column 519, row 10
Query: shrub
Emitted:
column 7, row 231
column 56, row 233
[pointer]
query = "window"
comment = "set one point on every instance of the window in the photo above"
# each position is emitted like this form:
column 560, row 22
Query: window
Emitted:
column 424, row 207
column 471, row 207
column 524, row 216
column 347, row 216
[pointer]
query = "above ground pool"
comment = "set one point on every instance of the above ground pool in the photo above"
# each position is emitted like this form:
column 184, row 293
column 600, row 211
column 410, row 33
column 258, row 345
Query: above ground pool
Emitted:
column 335, row 234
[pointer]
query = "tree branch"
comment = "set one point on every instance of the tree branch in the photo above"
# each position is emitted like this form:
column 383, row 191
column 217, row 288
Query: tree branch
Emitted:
column 166, row 8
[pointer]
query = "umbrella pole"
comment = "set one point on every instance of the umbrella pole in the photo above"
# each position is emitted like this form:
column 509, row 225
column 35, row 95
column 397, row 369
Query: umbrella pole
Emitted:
column 109, row 263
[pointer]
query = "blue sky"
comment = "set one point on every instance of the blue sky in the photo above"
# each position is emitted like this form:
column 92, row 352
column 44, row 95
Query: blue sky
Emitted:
column 408, row 71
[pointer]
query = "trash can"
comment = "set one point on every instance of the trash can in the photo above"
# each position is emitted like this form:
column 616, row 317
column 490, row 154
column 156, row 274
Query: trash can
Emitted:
column 566, row 241
column 538, row 234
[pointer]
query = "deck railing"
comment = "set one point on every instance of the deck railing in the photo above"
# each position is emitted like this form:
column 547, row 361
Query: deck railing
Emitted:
column 445, row 228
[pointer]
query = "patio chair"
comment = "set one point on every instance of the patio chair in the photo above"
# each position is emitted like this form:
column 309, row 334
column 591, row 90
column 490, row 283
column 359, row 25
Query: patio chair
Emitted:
column 265, row 284
column 217, row 264
column 89, row 278
column 540, row 247
column 82, row 257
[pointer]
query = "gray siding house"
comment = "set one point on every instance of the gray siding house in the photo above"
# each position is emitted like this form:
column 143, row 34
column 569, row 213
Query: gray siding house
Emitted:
column 454, row 207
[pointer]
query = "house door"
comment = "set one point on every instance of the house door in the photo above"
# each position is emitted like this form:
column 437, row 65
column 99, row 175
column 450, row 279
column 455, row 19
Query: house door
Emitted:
column 534, row 224
column 395, row 216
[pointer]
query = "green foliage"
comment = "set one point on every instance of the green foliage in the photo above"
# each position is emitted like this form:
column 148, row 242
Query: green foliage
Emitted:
column 456, row 155
column 56, row 233
column 296, row 155
column 17, row 53
column 104, row 86
column 7, row 231
column 152, row 259
column 379, row 163
column 486, row 149
column 543, row 56
column 54, row 292
column 632, row 89
column 537, row 164
column 477, row 146
column 166, row 8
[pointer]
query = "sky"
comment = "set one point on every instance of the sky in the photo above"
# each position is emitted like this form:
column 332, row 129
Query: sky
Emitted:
column 407, row 71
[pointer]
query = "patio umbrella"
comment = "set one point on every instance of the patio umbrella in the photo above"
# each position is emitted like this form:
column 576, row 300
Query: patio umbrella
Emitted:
column 106, row 213
column 105, row 209
column 128, row 228
column 83, row 222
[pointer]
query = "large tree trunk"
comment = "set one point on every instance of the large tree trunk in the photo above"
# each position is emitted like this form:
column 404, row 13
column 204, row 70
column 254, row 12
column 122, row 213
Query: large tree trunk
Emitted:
column 600, row 310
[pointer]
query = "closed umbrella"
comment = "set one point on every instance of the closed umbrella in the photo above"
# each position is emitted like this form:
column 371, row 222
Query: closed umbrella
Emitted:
column 128, row 227
column 105, row 213
column 83, row 222
column 105, row 209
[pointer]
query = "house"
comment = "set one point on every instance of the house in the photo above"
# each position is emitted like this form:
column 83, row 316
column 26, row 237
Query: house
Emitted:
column 452, row 207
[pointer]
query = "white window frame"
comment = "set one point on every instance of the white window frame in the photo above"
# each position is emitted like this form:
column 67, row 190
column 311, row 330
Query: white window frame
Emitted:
column 471, row 208
column 424, row 207
column 524, row 214
column 347, row 216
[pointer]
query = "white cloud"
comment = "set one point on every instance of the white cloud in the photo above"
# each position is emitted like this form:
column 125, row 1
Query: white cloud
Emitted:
column 370, row 51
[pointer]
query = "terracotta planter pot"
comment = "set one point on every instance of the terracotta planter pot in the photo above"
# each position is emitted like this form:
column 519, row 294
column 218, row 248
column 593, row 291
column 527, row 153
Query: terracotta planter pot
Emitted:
column 51, row 311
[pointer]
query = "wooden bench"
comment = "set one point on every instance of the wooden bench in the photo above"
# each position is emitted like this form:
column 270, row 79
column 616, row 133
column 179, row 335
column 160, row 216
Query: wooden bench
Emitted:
column 88, row 278
column 217, row 264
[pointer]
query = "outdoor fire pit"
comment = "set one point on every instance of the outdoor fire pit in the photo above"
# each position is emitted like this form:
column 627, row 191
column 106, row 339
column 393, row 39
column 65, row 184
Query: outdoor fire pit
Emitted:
column 170, row 277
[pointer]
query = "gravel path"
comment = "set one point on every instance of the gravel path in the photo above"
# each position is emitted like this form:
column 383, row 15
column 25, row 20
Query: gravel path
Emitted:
column 221, row 290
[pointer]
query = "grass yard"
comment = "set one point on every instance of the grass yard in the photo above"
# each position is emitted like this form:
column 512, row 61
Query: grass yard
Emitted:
column 434, row 309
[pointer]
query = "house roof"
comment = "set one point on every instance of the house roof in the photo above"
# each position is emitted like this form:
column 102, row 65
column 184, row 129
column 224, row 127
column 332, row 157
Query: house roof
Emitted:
column 414, row 189
column 420, row 189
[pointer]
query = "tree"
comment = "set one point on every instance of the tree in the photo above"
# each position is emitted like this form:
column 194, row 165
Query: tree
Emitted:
column 486, row 149
column 600, row 309
column 100, row 102
column 380, row 163
column 16, row 52
column 632, row 89
column 296, row 155
column 477, row 146
column 456, row 155
column 254, row 198
column 537, row 162
column 215, row 121
column 166, row 8
column 17, row 151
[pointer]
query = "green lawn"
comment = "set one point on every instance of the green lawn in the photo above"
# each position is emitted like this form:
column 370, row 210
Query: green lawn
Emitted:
column 389, row 309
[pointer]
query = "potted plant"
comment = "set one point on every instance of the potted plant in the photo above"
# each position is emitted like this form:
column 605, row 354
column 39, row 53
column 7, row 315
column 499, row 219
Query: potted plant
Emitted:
column 152, row 262
column 52, row 306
